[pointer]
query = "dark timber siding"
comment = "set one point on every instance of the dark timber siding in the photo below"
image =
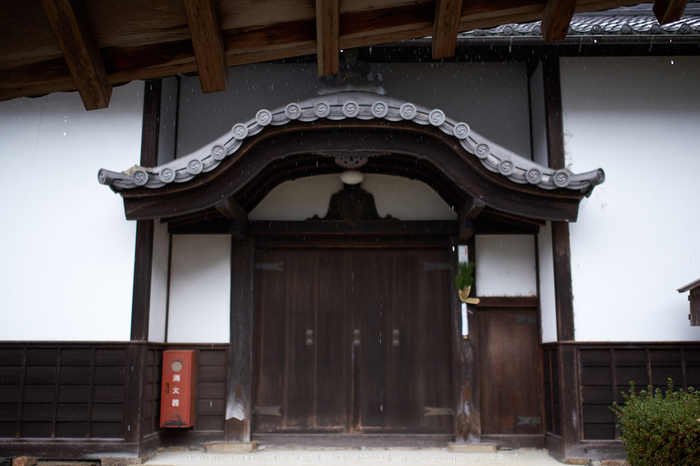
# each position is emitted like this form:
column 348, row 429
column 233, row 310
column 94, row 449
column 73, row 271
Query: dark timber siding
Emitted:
column 151, row 394
column 605, row 371
column 62, row 391
column 89, row 393
column 551, row 391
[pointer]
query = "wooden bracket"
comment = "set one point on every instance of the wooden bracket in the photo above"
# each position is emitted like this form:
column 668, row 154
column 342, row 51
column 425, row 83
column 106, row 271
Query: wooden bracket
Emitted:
column 556, row 19
column 446, row 27
column 238, row 218
column 80, row 52
column 328, row 36
column 467, row 214
column 208, row 44
column 668, row 11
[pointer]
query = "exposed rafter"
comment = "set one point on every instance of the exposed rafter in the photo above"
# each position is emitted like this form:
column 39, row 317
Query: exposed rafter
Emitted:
column 208, row 44
column 668, row 11
column 556, row 19
column 328, row 36
column 148, row 39
column 446, row 27
column 80, row 52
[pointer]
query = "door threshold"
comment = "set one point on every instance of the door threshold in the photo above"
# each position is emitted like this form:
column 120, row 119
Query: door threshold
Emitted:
column 353, row 440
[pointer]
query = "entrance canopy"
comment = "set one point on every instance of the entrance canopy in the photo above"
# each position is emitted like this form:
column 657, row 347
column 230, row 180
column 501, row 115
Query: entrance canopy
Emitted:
column 350, row 130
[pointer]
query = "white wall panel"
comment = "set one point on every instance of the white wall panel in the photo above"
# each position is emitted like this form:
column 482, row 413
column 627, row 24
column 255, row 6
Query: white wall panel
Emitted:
column 548, row 309
column 67, row 253
column 490, row 97
column 636, row 238
column 406, row 199
column 401, row 198
column 200, row 289
column 505, row 265
column 300, row 199
column 538, row 116
column 159, row 283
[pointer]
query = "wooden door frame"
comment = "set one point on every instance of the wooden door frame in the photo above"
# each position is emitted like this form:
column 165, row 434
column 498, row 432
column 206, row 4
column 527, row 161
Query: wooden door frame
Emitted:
column 241, row 358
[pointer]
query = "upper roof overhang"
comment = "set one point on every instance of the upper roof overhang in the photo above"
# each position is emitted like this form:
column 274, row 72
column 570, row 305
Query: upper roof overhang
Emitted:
column 89, row 46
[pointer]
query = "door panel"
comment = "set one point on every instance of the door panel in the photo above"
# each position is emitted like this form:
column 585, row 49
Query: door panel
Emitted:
column 300, row 320
column 329, row 331
column 510, row 375
column 405, row 355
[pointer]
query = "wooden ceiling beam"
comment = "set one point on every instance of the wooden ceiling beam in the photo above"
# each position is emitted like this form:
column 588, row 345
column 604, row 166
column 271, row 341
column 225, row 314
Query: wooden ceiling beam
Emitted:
column 556, row 19
column 668, row 11
column 328, row 36
column 446, row 27
column 237, row 217
column 467, row 216
column 208, row 44
column 140, row 42
column 80, row 52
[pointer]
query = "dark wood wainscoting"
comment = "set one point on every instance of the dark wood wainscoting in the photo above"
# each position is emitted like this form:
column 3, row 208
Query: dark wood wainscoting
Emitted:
column 65, row 400
column 602, row 372
column 552, row 403
column 210, row 396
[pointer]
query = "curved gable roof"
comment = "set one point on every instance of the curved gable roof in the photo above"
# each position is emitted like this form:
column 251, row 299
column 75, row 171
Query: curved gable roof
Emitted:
column 362, row 106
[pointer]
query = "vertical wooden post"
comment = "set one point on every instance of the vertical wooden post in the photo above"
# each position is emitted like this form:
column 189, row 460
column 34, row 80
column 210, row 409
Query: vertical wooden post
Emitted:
column 563, row 294
column 145, row 228
column 465, row 380
column 135, row 376
column 143, row 264
column 240, row 382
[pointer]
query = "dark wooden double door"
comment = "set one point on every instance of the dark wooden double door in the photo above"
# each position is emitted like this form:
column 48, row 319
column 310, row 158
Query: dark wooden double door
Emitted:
column 352, row 341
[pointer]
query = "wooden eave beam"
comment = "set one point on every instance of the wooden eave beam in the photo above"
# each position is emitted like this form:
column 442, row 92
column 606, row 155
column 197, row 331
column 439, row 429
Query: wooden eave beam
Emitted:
column 668, row 11
column 467, row 214
column 328, row 36
column 446, row 27
column 238, row 218
column 556, row 19
column 208, row 44
column 80, row 52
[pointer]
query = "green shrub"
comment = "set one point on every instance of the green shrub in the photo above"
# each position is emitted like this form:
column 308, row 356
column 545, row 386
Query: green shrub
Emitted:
column 660, row 430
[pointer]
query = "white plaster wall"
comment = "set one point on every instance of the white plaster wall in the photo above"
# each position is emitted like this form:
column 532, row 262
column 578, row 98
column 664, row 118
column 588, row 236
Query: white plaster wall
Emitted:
column 299, row 199
column 168, row 120
column 66, row 251
column 491, row 97
column 505, row 265
column 406, row 199
column 538, row 116
column 548, row 308
column 159, row 283
column 636, row 238
column 200, row 289
column 399, row 197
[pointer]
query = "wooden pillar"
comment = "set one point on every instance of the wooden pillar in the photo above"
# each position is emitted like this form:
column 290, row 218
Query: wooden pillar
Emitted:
column 143, row 264
column 563, row 294
column 465, row 379
column 239, row 393
column 143, row 260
